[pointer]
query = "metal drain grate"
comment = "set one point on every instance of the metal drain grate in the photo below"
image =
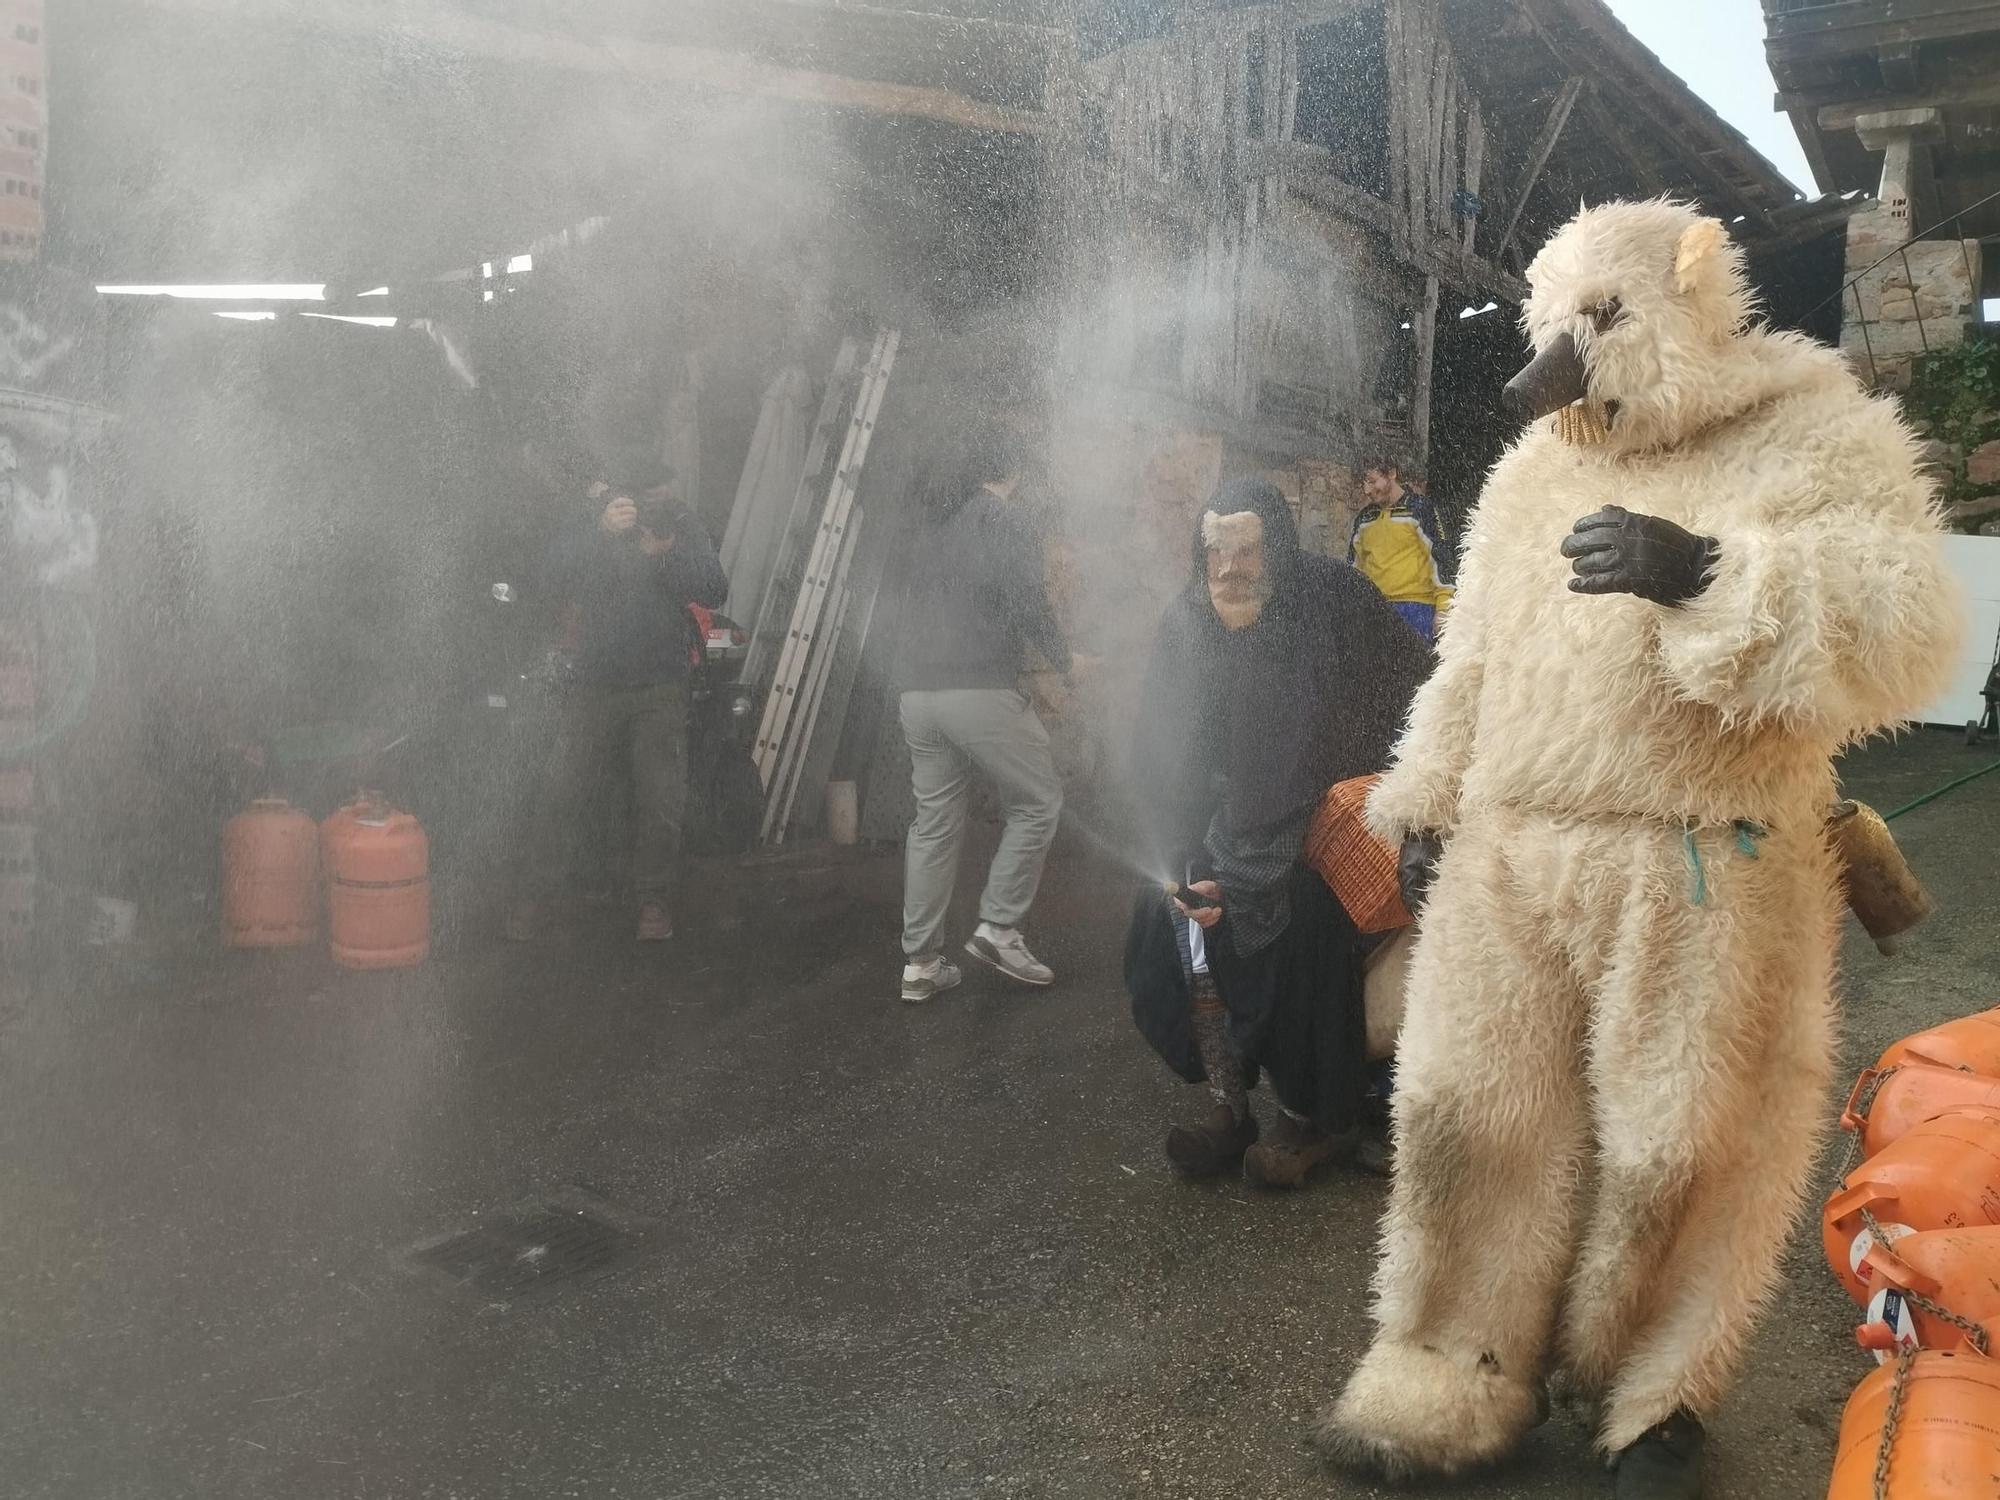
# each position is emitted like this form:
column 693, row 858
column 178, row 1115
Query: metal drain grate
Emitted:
column 535, row 1248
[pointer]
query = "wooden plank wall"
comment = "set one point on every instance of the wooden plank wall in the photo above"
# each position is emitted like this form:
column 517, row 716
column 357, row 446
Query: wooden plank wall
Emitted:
column 1175, row 112
column 1437, row 145
column 1437, row 138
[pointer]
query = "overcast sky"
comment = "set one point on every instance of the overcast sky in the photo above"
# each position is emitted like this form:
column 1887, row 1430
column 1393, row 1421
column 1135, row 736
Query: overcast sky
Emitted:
column 1717, row 46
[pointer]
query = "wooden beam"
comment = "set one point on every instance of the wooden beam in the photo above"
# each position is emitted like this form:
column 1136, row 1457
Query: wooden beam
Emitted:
column 927, row 21
column 1863, row 25
column 1444, row 146
column 1803, row 232
column 1971, row 93
column 1395, row 28
column 1421, row 78
column 1786, row 52
column 1538, row 156
column 1898, row 62
column 1297, row 13
column 1605, row 121
column 700, row 69
column 1309, row 171
column 1443, row 258
column 1813, row 144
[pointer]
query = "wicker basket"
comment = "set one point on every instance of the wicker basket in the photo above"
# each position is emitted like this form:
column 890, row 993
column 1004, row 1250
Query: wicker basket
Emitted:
column 1359, row 867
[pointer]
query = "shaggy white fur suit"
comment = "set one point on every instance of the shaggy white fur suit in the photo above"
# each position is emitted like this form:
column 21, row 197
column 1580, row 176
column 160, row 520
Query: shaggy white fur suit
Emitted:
column 1618, row 1034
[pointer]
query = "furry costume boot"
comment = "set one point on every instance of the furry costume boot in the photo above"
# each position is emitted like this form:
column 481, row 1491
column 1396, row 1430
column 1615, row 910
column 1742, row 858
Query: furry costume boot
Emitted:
column 1664, row 1464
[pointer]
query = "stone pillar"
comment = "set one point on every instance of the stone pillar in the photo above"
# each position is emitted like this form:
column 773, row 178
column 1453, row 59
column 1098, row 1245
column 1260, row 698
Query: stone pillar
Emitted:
column 1922, row 298
column 1904, row 137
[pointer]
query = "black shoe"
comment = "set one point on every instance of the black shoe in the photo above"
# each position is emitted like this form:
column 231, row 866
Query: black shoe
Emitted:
column 1665, row 1463
column 1214, row 1148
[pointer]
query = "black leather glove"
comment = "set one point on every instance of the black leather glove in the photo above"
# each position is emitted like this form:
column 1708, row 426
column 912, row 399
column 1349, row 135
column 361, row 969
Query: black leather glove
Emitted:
column 1618, row 551
column 1414, row 867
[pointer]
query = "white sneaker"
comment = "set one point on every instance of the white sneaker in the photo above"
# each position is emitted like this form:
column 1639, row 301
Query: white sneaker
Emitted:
column 1005, row 950
column 925, row 977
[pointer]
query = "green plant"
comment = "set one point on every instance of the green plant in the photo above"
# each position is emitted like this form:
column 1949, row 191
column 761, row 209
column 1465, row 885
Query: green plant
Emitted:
column 1955, row 395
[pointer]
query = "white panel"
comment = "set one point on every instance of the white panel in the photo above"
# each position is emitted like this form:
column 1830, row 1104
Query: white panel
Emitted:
column 1976, row 561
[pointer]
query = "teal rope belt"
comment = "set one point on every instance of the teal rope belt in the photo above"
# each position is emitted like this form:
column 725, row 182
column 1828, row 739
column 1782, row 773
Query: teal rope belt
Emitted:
column 1748, row 834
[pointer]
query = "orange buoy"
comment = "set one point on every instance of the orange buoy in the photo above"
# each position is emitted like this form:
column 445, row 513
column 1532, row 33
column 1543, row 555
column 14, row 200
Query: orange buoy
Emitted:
column 1886, row 1103
column 1925, row 1276
column 270, row 876
column 1942, row 1174
column 378, row 885
column 1972, row 1043
column 1946, row 1444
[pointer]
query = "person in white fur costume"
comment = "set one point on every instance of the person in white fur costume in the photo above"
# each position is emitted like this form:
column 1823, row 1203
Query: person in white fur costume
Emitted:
column 1681, row 594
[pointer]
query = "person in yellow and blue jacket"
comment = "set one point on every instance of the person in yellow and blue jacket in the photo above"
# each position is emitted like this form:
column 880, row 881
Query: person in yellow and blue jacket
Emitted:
column 1397, row 544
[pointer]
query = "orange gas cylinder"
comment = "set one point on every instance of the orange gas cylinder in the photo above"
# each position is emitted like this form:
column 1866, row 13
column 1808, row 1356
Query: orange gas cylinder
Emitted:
column 378, row 885
column 270, row 876
column 1886, row 1103
column 1925, row 1277
column 1947, row 1439
column 1972, row 1042
column 1943, row 1174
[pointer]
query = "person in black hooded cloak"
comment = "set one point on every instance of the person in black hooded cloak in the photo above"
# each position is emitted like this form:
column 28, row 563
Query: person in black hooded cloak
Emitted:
column 1275, row 674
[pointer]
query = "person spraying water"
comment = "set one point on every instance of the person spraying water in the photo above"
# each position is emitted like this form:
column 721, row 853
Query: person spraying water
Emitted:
column 1275, row 674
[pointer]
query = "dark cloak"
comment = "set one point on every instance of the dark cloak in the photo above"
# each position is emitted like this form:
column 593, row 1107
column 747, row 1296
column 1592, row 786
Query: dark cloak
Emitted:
column 1240, row 733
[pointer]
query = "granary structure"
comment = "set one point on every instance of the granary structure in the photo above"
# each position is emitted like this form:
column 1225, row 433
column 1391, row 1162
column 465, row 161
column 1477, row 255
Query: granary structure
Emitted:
column 1900, row 101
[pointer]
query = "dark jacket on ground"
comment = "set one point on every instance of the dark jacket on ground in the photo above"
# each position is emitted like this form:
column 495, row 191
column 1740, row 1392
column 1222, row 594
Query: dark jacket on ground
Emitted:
column 977, row 602
column 635, row 630
column 1240, row 733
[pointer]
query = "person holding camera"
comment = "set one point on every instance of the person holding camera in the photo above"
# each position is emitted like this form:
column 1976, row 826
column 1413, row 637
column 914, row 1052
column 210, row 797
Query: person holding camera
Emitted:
column 630, row 574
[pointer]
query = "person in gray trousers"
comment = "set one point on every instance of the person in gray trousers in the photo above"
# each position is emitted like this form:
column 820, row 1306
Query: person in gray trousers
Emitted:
column 976, row 608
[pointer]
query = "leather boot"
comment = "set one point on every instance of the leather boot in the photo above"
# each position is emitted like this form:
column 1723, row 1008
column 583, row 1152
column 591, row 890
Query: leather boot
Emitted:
column 1296, row 1148
column 1214, row 1147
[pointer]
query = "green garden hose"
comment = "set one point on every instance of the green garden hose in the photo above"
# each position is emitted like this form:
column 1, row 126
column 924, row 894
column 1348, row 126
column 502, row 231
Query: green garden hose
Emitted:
column 1934, row 794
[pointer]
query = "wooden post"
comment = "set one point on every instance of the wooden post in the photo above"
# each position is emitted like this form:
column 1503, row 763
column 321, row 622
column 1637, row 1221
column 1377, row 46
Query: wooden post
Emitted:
column 1475, row 162
column 1420, row 393
column 1453, row 156
column 1395, row 25
column 1420, row 68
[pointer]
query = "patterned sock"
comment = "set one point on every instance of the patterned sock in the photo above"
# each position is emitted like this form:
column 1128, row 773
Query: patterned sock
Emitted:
column 1218, row 1058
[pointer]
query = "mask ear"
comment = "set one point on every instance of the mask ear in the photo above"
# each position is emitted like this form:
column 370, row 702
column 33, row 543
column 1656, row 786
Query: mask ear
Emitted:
column 1698, row 242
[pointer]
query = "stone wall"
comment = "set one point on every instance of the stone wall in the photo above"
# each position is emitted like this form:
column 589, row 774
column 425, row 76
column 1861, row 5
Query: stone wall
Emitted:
column 1919, row 300
column 1325, row 493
